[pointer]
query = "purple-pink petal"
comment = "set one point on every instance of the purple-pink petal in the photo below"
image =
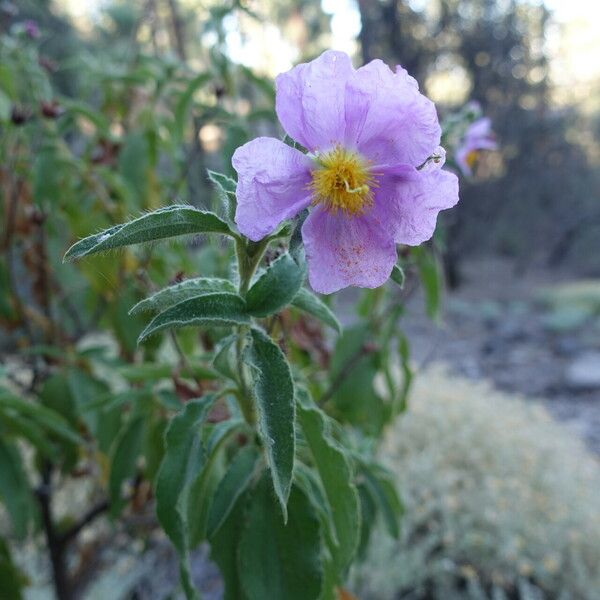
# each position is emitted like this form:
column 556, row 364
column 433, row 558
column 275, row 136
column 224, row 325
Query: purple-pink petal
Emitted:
column 408, row 204
column 310, row 100
column 387, row 119
column 344, row 251
column 273, row 181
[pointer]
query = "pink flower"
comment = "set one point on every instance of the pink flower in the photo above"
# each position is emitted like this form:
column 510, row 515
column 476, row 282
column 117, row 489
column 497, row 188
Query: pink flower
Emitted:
column 369, row 176
column 479, row 136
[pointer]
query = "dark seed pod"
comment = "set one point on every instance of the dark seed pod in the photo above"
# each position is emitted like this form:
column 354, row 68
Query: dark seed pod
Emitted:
column 51, row 109
column 19, row 115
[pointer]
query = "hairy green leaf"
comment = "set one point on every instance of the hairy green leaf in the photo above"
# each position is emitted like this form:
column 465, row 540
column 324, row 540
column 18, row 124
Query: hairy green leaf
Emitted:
column 182, row 463
column 275, row 288
column 311, row 304
column 234, row 483
column 211, row 310
column 226, row 188
column 160, row 224
column 336, row 476
column 398, row 276
column 204, row 486
column 379, row 484
column 280, row 561
column 223, row 360
column 190, row 288
column 183, row 460
column 224, row 549
column 274, row 393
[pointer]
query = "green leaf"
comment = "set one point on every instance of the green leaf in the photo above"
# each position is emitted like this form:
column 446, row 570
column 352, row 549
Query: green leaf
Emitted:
column 368, row 511
column 123, row 460
column 224, row 549
column 211, row 310
column 14, row 488
column 223, row 361
column 353, row 372
column 190, row 288
column 29, row 430
column 398, row 276
column 204, row 486
column 12, row 580
column 184, row 103
column 226, row 190
column 401, row 399
column 46, row 417
column 380, row 486
column 431, row 278
column 280, row 561
column 232, row 486
column 160, row 224
column 275, row 288
column 274, row 394
column 134, row 164
column 336, row 477
column 152, row 371
column 311, row 304
column 183, row 460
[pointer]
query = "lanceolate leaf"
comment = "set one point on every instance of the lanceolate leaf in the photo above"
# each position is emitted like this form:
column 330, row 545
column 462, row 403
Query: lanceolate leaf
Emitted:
column 275, row 288
column 46, row 417
column 225, row 187
column 224, row 549
column 16, row 424
column 182, row 291
column 280, row 561
column 184, row 103
column 203, row 488
column 274, row 393
column 12, row 580
column 14, row 488
column 183, row 460
column 311, row 304
column 160, row 224
column 336, row 477
column 398, row 275
column 211, row 310
column 378, row 482
column 233, row 484
column 124, row 456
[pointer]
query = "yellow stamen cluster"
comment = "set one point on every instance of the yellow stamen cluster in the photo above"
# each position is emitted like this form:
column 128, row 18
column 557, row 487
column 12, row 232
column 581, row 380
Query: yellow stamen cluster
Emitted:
column 342, row 181
column 471, row 158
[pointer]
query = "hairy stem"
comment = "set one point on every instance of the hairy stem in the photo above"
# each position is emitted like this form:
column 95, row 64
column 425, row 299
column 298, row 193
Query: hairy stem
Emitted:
column 249, row 255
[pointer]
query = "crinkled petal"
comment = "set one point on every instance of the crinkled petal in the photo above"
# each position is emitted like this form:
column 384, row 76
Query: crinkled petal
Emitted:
column 344, row 251
column 310, row 100
column 272, row 185
column 387, row 119
column 407, row 204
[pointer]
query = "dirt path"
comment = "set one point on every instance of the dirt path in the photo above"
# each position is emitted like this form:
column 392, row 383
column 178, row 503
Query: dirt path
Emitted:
column 494, row 327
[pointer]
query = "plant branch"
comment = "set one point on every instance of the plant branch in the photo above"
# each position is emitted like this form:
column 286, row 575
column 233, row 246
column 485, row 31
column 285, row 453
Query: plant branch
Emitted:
column 94, row 512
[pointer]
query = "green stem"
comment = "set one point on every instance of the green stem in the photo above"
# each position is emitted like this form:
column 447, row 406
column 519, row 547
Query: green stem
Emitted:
column 249, row 255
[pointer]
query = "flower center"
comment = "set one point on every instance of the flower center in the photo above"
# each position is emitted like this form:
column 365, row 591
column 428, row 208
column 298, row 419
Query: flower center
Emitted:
column 342, row 181
column 471, row 158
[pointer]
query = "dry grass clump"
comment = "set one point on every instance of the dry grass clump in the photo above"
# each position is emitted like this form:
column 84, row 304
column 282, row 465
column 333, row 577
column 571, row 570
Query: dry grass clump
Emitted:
column 501, row 501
